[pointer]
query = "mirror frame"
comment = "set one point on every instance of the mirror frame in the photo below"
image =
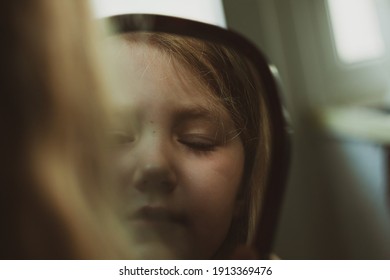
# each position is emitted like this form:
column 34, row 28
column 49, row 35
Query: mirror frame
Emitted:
column 280, row 152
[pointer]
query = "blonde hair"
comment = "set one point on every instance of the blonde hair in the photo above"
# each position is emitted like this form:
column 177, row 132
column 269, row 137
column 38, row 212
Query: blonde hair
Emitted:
column 54, row 172
column 235, row 84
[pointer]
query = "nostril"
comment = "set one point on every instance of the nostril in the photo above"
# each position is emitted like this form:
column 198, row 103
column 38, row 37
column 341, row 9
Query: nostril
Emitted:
column 167, row 185
column 154, row 172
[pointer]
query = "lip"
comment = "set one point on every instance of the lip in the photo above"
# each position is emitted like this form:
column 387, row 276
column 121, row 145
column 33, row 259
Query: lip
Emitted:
column 158, row 214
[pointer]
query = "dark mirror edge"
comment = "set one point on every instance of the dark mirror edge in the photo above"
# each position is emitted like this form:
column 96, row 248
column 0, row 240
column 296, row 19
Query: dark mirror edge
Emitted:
column 280, row 153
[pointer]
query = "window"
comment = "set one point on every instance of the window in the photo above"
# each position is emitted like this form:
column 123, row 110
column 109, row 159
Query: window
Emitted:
column 356, row 30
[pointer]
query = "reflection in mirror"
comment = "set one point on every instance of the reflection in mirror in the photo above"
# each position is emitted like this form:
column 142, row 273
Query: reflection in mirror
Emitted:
column 192, row 142
column 193, row 145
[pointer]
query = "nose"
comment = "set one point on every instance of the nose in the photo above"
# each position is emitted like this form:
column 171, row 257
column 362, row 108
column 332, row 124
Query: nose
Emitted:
column 154, row 168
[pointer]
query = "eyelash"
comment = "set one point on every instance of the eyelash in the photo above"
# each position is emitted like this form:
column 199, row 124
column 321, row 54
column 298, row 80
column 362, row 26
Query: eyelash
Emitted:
column 199, row 144
column 196, row 143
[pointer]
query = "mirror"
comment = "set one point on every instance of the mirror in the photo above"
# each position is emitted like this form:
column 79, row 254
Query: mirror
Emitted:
column 201, row 148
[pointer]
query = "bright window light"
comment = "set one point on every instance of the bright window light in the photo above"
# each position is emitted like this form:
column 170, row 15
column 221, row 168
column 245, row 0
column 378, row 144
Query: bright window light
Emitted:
column 356, row 30
column 208, row 11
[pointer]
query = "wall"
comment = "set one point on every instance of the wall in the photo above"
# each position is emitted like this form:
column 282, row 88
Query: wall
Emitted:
column 335, row 206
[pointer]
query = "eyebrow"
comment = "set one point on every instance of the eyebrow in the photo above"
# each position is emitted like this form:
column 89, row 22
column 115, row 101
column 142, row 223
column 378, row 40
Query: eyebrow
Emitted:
column 199, row 112
column 216, row 116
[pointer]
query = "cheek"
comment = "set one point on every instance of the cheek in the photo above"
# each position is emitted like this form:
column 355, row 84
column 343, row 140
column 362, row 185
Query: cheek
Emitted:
column 212, row 184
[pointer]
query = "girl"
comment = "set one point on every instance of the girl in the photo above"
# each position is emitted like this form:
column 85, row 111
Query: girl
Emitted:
column 193, row 145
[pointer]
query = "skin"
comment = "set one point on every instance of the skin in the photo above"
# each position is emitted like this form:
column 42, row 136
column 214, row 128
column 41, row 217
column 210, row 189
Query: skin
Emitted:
column 178, row 159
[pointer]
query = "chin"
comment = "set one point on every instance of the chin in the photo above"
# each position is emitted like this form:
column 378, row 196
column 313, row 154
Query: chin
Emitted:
column 161, row 241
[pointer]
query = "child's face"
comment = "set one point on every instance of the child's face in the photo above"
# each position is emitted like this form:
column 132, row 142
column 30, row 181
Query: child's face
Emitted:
column 180, row 164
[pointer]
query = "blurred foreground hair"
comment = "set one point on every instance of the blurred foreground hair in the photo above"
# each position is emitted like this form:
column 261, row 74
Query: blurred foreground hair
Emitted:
column 54, row 194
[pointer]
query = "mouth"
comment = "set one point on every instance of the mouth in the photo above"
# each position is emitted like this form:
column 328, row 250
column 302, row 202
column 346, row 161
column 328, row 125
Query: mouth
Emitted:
column 155, row 215
column 162, row 228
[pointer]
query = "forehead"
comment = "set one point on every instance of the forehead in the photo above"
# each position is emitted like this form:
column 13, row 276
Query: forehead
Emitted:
column 150, row 75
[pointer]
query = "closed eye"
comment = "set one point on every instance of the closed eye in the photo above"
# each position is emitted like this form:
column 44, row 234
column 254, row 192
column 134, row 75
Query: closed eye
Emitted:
column 198, row 142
